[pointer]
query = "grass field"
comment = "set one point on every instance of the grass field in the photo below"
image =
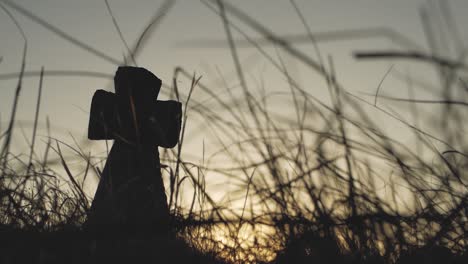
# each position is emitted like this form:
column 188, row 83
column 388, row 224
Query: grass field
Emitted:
column 319, row 183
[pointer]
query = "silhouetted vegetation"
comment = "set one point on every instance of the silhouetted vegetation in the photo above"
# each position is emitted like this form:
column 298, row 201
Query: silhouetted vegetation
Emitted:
column 315, row 182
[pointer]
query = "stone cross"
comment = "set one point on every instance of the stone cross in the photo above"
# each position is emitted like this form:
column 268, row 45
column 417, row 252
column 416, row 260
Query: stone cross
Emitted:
column 130, row 200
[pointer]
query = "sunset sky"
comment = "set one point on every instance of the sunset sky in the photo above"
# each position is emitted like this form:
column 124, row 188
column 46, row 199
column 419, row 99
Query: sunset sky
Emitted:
column 299, row 139
column 176, row 42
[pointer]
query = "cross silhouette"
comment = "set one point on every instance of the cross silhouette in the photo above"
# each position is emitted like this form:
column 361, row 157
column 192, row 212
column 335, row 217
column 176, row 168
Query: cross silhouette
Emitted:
column 130, row 199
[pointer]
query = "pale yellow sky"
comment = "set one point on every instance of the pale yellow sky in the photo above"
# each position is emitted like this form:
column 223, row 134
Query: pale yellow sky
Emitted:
column 66, row 99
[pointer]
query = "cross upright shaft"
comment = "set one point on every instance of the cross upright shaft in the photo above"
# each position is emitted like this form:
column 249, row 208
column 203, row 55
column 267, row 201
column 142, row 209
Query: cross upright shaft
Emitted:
column 130, row 196
column 136, row 90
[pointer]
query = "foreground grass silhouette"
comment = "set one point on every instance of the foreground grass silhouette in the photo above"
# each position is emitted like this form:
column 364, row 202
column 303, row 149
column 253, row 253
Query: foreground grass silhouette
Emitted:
column 73, row 246
column 341, row 218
